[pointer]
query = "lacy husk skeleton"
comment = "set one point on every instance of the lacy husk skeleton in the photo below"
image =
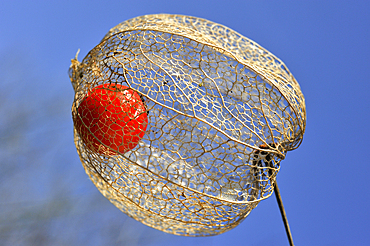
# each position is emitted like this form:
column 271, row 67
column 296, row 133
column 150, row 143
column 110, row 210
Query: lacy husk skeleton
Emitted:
column 222, row 113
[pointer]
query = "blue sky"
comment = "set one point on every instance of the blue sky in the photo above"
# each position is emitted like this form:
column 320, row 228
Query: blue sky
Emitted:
column 324, row 186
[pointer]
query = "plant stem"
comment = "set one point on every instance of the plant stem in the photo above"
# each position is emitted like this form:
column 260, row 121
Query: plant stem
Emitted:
column 283, row 215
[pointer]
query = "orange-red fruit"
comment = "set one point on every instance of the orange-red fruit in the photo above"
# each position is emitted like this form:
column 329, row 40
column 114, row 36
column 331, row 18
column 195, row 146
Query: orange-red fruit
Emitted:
column 111, row 119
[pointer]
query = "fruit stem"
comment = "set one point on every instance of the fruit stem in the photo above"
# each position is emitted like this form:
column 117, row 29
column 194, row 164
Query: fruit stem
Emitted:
column 283, row 214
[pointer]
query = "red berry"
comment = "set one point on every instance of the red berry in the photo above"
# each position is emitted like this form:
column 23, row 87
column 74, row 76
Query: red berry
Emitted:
column 111, row 119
